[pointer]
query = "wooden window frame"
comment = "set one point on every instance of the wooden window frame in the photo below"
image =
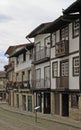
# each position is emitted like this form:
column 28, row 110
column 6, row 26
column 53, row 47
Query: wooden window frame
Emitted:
column 74, row 67
column 53, row 73
column 64, row 33
column 73, row 33
column 45, row 40
column 75, row 101
column 54, row 33
column 24, row 56
column 64, row 61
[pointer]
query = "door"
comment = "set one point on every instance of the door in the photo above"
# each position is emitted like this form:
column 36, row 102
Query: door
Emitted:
column 24, row 102
column 46, row 103
column 65, row 105
column 30, row 103
column 47, row 77
column 17, row 96
column 64, row 83
column 38, row 78
column 57, row 104
column 29, row 78
column 39, row 101
column 64, row 79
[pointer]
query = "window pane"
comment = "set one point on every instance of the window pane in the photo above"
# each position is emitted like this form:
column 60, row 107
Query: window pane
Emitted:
column 54, row 69
column 76, row 28
column 76, row 66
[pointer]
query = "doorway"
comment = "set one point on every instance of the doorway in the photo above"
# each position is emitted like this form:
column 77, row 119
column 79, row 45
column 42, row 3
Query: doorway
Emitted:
column 65, row 105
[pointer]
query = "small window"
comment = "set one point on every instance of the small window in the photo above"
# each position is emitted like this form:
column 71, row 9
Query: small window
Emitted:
column 53, row 39
column 54, row 69
column 76, row 26
column 64, row 33
column 17, row 60
column 24, row 56
column 16, row 76
column 30, row 54
column 47, row 41
column 74, row 101
column 75, row 66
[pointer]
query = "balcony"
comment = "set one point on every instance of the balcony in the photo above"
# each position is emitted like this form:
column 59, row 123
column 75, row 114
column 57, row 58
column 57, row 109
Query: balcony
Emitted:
column 41, row 84
column 62, row 83
column 10, row 66
column 62, row 48
column 42, row 55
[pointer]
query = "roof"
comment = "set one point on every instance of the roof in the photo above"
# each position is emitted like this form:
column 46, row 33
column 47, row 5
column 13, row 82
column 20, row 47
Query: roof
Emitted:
column 12, row 48
column 49, row 27
column 38, row 30
column 24, row 49
column 74, row 7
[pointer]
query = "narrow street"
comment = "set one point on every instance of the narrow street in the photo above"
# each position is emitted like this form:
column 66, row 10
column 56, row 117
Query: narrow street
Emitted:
column 16, row 121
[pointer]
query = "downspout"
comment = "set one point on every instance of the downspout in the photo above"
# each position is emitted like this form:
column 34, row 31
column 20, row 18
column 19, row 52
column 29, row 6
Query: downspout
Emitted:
column 80, row 53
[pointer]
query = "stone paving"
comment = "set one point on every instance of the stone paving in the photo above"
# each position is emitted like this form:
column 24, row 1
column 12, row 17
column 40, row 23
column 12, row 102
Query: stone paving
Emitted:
column 13, row 119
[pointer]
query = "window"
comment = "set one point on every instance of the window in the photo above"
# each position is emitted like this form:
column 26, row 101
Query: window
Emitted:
column 64, row 68
column 17, row 60
column 54, row 69
column 64, row 33
column 76, row 66
column 24, row 56
column 76, row 28
column 53, row 39
column 16, row 76
column 23, row 75
column 74, row 101
column 47, row 41
column 30, row 54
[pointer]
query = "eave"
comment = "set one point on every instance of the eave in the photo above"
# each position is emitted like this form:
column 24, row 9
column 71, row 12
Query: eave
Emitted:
column 23, row 50
column 73, row 8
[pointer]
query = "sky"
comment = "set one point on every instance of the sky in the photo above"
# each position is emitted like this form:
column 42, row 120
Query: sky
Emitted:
column 19, row 17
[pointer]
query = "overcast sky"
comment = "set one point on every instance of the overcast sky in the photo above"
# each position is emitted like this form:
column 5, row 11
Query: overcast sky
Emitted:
column 19, row 17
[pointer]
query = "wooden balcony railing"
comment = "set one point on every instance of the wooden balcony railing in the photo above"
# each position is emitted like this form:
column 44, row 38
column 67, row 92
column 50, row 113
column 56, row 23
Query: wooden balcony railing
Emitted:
column 41, row 84
column 62, row 83
column 42, row 54
column 18, row 85
column 62, row 48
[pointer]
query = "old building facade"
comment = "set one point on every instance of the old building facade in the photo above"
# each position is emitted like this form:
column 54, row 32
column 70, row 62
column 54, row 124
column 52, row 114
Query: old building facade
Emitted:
column 47, row 73
column 20, row 91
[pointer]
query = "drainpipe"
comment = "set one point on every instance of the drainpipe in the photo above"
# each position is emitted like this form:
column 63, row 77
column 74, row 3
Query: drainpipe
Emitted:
column 80, row 53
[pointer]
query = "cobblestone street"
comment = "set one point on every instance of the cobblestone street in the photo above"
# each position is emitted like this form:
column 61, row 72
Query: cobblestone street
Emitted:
column 10, row 120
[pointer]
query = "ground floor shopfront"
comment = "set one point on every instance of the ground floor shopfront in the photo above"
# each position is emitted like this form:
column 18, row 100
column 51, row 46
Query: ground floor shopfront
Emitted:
column 56, row 103
column 23, row 100
column 66, row 104
column 43, row 101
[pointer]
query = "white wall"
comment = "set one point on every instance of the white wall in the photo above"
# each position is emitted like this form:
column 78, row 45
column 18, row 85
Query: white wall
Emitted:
column 73, row 42
column 40, row 38
column 73, row 47
column 73, row 80
column 23, row 65
column 41, row 66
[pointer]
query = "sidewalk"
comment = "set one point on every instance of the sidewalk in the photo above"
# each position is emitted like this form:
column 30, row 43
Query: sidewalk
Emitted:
column 57, row 119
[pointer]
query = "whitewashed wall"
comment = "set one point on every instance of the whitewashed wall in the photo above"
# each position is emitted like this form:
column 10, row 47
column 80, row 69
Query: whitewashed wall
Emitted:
column 40, row 38
column 23, row 65
column 73, row 47
column 73, row 42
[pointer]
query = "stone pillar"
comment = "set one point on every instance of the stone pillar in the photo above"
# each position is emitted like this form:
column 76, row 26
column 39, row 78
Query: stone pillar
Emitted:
column 60, row 104
column 33, row 102
column 42, row 102
column 15, row 100
column 52, row 103
column 20, row 102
